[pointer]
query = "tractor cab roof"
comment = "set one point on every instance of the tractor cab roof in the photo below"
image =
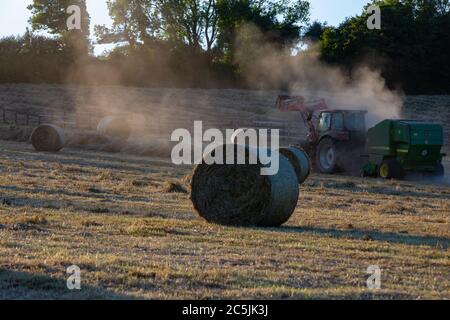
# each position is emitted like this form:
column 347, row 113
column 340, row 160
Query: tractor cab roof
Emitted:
column 343, row 111
column 319, row 112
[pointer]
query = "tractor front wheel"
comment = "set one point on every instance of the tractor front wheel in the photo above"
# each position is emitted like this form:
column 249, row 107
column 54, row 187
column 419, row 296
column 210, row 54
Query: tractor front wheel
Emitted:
column 327, row 156
column 390, row 169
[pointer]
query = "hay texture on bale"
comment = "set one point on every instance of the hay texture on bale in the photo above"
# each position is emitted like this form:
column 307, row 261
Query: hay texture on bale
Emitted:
column 114, row 127
column 299, row 160
column 48, row 138
column 238, row 195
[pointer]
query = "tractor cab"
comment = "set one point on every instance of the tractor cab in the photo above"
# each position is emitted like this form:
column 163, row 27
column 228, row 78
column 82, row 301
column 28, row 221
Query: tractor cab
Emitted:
column 333, row 134
column 341, row 125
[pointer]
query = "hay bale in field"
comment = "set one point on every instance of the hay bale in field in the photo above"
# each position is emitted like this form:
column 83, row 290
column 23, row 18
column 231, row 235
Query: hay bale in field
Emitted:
column 239, row 195
column 48, row 138
column 114, row 127
column 299, row 160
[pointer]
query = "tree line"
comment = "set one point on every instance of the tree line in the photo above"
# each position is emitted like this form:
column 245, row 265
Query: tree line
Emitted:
column 412, row 48
column 193, row 42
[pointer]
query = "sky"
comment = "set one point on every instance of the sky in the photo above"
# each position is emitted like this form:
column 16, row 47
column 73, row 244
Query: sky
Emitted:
column 14, row 14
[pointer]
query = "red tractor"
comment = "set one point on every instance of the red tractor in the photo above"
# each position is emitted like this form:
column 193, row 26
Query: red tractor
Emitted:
column 335, row 138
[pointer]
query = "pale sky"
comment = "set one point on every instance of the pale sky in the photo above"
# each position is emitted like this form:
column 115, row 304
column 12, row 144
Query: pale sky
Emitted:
column 14, row 14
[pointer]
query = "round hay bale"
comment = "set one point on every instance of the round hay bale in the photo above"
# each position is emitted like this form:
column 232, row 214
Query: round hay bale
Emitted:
column 114, row 128
column 48, row 138
column 239, row 195
column 299, row 160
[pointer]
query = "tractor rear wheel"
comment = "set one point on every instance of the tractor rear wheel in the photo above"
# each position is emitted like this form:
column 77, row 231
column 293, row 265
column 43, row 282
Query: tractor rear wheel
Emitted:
column 327, row 156
column 391, row 169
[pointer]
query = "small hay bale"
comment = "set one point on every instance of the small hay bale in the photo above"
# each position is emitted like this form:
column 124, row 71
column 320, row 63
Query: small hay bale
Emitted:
column 239, row 195
column 299, row 160
column 114, row 128
column 48, row 138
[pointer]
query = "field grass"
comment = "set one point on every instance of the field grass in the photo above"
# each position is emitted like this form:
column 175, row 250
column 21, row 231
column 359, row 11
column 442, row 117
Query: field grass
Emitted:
column 128, row 223
column 114, row 216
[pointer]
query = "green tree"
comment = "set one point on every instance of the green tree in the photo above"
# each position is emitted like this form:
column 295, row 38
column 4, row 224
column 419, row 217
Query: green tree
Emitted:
column 280, row 21
column 411, row 47
column 189, row 22
column 52, row 16
column 315, row 31
column 182, row 23
column 30, row 58
column 134, row 22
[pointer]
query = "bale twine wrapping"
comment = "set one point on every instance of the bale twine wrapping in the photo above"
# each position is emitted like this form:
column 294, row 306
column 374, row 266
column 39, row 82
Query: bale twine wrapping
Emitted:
column 299, row 160
column 239, row 195
column 48, row 138
column 114, row 128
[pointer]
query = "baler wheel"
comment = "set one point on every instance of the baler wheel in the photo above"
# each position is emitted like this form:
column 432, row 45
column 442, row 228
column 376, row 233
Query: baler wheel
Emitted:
column 390, row 169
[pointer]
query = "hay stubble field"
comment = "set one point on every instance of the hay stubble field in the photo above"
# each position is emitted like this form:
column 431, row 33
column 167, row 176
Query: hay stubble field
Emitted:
column 128, row 223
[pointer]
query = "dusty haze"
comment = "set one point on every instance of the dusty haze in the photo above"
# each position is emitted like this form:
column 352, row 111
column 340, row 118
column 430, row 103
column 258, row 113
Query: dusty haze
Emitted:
column 265, row 65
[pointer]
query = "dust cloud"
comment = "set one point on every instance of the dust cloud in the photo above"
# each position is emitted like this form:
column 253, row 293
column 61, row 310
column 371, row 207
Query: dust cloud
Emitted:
column 266, row 66
column 155, row 113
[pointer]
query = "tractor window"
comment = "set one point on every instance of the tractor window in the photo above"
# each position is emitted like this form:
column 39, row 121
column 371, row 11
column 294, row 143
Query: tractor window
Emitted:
column 325, row 122
column 338, row 122
column 355, row 121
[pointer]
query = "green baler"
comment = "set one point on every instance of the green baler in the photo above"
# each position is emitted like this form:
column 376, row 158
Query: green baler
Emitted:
column 395, row 147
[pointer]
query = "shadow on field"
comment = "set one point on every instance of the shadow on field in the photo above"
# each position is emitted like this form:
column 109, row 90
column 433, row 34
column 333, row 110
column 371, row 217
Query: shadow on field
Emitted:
column 406, row 193
column 389, row 190
column 373, row 235
column 96, row 160
column 16, row 285
column 97, row 194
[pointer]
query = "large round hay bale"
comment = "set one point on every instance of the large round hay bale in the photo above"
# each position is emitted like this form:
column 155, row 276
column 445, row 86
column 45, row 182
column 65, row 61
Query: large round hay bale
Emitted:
column 48, row 138
column 114, row 127
column 239, row 195
column 299, row 160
